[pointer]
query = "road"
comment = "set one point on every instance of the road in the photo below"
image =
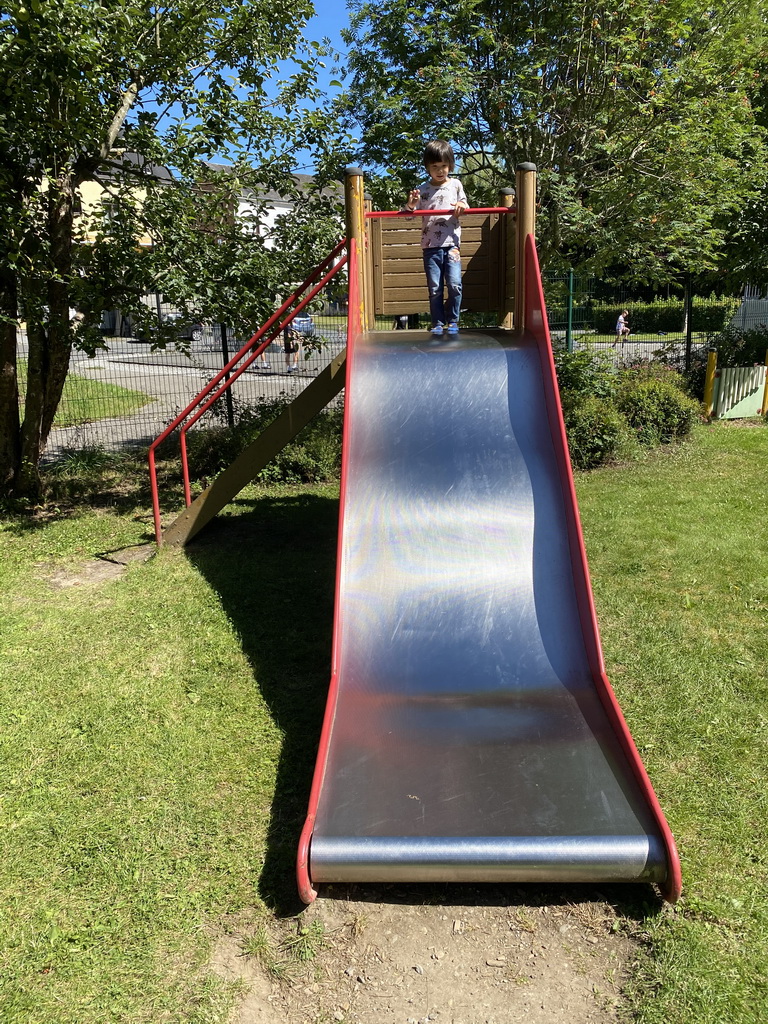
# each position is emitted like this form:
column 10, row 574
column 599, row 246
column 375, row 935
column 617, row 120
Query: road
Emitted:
column 172, row 378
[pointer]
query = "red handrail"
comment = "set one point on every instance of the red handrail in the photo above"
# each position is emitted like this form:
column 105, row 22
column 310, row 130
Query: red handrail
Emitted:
column 376, row 214
column 226, row 370
column 215, row 395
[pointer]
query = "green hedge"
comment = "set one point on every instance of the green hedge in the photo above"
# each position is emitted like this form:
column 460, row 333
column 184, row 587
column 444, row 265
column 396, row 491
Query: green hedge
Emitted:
column 665, row 316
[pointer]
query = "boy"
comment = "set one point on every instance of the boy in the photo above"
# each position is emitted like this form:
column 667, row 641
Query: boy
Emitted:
column 441, row 236
column 622, row 327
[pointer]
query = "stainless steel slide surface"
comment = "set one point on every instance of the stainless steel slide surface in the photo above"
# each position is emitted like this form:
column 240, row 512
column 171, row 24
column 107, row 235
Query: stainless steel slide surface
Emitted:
column 468, row 741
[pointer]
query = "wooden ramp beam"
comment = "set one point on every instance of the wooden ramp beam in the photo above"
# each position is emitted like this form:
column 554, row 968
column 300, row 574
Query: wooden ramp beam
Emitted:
column 307, row 404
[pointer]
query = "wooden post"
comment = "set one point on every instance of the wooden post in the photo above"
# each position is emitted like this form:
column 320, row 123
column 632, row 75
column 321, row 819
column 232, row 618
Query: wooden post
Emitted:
column 367, row 257
column 709, row 382
column 355, row 215
column 764, row 406
column 525, row 223
column 507, row 312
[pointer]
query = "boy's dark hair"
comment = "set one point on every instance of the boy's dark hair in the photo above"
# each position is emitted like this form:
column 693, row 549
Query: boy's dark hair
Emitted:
column 439, row 152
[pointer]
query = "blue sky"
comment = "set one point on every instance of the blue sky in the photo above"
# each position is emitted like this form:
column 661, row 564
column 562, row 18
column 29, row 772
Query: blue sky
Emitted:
column 331, row 16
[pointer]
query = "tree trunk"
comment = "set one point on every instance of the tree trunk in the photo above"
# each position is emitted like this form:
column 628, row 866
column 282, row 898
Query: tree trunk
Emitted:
column 49, row 346
column 10, row 447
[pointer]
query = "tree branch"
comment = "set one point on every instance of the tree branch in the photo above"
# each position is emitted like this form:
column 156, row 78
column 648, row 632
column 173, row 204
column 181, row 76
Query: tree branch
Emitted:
column 129, row 98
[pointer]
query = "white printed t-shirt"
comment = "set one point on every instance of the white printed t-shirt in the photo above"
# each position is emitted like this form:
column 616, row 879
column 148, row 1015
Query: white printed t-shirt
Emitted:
column 441, row 232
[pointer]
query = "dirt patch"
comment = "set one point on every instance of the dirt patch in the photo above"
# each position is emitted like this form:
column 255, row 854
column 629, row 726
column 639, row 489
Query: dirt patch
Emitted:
column 371, row 962
column 747, row 423
column 108, row 566
column 84, row 574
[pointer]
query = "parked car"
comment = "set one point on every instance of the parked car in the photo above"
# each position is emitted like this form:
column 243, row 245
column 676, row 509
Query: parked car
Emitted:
column 205, row 336
column 303, row 323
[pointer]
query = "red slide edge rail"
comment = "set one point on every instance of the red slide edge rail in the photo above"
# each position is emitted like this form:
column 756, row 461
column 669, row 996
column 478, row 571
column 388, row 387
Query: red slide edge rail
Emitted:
column 226, row 370
column 536, row 325
column 303, row 874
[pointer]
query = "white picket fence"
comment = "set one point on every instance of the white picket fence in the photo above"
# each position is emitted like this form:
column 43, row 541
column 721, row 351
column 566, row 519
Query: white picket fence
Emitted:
column 738, row 392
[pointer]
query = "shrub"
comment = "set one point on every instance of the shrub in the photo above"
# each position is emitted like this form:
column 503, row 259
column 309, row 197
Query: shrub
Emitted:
column 740, row 347
column 656, row 409
column 597, row 433
column 586, row 372
column 314, row 455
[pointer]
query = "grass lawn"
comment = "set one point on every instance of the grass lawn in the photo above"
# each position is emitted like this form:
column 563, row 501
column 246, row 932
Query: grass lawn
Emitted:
column 159, row 731
column 653, row 341
column 677, row 551
column 86, row 401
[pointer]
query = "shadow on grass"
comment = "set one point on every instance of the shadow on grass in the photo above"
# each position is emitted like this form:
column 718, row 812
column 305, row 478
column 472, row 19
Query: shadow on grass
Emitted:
column 274, row 569
column 79, row 481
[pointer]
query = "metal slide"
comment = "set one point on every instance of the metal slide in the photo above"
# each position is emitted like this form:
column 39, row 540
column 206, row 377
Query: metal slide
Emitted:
column 471, row 733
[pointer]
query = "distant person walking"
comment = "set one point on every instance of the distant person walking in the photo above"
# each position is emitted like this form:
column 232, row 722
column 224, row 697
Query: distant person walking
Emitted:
column 622, row 327
column 291, row 346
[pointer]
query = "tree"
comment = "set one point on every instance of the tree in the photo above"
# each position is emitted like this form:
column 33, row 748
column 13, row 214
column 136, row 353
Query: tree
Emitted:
column 83, row 85
column 638, row 114
column 747, row 246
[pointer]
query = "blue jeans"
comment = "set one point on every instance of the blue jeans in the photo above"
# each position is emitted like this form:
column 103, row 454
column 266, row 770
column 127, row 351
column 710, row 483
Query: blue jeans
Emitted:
column 443, row 268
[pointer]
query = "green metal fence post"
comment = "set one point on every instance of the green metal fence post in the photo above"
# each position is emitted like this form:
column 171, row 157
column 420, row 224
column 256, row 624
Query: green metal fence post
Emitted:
column 228, row 392
column 569, row 314
column 688, row 320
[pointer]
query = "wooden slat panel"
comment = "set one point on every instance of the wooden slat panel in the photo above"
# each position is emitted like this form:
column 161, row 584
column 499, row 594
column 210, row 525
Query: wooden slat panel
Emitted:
column 406, row 241
column 474, row 295
column 399, row 284
column 478, row 263
column 405, row 252
column 416, row 300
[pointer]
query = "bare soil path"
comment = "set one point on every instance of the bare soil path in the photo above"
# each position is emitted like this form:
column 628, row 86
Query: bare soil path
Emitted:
column 492, row 956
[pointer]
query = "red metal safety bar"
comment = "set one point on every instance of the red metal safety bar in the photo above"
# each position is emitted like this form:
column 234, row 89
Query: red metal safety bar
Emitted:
column 267, row 340
column 256, row 344
column 378, row 214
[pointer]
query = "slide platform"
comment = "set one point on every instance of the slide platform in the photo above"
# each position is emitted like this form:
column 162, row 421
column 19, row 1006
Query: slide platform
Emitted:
column 471, row 733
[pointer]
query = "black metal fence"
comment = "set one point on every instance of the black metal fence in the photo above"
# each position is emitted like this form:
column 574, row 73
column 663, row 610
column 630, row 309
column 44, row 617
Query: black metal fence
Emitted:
column 127, row 393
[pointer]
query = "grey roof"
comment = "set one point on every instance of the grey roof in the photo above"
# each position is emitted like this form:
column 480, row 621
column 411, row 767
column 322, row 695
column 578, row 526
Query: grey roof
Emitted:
column 135, row 161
